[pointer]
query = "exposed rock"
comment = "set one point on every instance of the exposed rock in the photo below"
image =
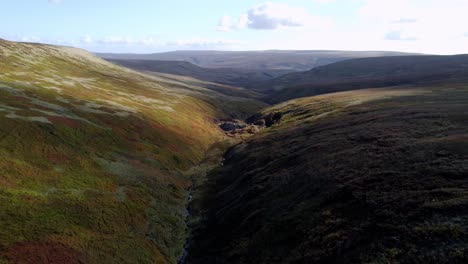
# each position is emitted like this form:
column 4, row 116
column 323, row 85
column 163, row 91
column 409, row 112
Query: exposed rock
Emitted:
column 237, row 128
column 260, row 122
column 265, row 120
column 228, row 126
column 273, row 118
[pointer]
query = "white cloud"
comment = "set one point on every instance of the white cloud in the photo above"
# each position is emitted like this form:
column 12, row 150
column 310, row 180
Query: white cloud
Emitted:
column 86, row 39
column 398, row 35
column 224, row 24
column 129, row 41
column 29, row 39
column 243, row 21
column 388, row 11
column 129, row 44
column 403, row 20
column 55, row 1
column 427, row 26
column 434, row 26
column 116, row 40
column 203, row 43
column 426, row 19
column 324, row 1
column 270, row 16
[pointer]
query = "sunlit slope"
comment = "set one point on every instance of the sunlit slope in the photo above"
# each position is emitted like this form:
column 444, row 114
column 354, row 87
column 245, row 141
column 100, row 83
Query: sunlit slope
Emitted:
column 369, row 176
column 91, row 155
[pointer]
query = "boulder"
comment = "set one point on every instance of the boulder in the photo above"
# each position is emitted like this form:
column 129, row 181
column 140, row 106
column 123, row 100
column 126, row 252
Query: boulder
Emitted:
column 228, row 126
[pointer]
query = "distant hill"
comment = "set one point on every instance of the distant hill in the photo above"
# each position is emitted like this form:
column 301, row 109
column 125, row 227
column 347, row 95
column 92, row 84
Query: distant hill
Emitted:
column 260, row 60
column 229, row 76
column 368, row 73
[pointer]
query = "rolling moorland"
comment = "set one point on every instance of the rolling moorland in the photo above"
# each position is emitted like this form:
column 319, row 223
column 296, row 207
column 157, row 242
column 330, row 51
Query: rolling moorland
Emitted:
column 230, row 76
column 103, row 164
column 94, row 157
column 289, row 60
column 368, row 176
column 367, row 73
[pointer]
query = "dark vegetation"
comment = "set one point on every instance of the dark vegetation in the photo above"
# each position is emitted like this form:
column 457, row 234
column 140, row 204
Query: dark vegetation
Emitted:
column 368, row 73
column 230, row 76
column 288, row 60
column 370, row 176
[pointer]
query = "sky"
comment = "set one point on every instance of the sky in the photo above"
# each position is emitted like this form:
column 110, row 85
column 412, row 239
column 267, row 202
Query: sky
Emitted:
column 148, row 26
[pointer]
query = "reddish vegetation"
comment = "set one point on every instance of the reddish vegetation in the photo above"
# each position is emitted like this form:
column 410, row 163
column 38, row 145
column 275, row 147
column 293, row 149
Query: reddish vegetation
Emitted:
column 6, row 182
column 57, row 158
column 21, row 98
column 64, row 121
column 43, row 252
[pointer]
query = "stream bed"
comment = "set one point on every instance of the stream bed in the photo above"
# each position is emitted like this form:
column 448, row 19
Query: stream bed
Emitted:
column 183, row 258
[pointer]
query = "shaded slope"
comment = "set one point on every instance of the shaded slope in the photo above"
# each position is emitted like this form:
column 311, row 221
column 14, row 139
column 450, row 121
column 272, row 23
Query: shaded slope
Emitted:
column 229, row 76
column 292, row 60
column 92, row 156
column 368, row 73
column 369, row 176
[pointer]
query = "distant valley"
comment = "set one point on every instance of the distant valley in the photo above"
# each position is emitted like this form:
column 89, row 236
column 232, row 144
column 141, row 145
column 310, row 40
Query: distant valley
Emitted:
column 261, row 71
column 368, row 73
column 259, row 60
column 230, row 76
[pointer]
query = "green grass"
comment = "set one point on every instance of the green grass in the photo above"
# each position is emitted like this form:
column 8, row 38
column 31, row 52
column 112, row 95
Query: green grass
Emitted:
column 92, row 157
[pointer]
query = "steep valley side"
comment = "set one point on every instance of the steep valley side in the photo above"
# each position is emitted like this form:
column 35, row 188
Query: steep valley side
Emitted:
column 369, row 176
column 94, row 156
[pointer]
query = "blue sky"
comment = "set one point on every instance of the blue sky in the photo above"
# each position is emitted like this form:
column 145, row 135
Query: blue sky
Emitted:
column 144, row 26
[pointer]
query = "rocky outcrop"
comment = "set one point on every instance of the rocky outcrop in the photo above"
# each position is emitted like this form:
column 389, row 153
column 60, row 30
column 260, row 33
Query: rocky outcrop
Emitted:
column 238, row 128
column 268, row 120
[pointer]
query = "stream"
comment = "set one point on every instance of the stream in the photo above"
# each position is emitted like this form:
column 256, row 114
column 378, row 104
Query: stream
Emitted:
column 183, row 258
column 214, row 157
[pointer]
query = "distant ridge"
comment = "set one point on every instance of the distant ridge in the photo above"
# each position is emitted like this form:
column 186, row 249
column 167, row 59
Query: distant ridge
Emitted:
column 368, row 73
column 294, row 60
column 230, row 76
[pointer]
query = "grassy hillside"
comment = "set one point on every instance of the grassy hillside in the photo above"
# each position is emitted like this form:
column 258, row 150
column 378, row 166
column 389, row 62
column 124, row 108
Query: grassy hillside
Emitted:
column 229, row 76
column 92, row 156
column 368, row 73
column 291, row 60
column 368, row 176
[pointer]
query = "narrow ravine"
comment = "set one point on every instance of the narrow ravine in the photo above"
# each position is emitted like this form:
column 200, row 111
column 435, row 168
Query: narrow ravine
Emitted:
column 183, row 258
column 198, row 174
column 236, row 131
